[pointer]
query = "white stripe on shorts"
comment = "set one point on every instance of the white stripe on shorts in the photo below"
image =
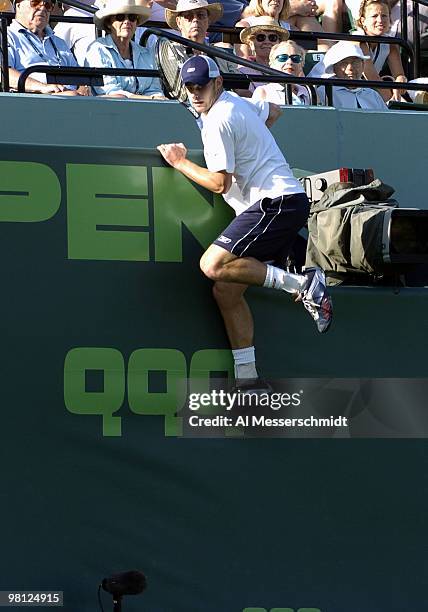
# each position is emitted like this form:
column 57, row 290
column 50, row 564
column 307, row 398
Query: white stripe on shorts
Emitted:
column 264, row 214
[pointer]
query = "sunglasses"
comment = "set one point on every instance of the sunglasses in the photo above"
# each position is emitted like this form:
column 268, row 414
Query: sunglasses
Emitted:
column 296, row 58
column 271, row 37
column 46, row 3
column 122, row 16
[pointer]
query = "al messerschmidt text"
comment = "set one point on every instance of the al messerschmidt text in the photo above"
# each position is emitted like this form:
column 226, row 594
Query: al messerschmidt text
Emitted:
column 262, row 421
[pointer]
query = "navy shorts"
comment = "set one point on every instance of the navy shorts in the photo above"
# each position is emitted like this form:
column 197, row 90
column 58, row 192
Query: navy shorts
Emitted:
column 267, row 229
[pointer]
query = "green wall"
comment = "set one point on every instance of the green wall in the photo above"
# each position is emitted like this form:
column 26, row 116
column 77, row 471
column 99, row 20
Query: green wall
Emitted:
column 315, row 139
column 100, row 268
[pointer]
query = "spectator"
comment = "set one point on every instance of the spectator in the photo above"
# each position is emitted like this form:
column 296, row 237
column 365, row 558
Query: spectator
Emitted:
column 375, row 20
column 31, row 41
column 119, row 18
column 261, row 37
column 345, row 60
column 289, row 57
column 395, row 5
column 78, row 36
column 192, row 18
column 278, row 10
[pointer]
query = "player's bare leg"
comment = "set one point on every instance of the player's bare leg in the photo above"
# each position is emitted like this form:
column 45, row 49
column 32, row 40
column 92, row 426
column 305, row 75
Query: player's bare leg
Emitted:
column 223, row 267
column 220, row 265
column 236, row 313
column 239, row 325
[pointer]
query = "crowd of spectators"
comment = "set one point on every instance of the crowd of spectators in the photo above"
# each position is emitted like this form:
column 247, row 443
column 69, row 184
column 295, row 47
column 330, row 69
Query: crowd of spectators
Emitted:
column 264, row 36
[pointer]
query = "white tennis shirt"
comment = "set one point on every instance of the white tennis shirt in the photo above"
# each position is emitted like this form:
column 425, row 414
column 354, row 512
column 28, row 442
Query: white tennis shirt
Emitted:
column 237, row 140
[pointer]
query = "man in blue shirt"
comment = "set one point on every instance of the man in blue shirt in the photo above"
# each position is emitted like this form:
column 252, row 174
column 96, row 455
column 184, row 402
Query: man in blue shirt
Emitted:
column 31, row 41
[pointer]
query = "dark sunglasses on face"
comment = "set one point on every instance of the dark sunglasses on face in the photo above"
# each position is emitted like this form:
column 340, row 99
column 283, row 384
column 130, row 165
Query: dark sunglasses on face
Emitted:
column 271, row 37
column 296, row 58
column 46, row 3
column 123, row 16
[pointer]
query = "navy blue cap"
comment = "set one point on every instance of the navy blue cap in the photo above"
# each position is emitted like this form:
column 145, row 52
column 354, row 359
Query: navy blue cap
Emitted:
column 199, row 69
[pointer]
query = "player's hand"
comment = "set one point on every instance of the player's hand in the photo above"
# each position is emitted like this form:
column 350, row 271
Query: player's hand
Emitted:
column 173, row 153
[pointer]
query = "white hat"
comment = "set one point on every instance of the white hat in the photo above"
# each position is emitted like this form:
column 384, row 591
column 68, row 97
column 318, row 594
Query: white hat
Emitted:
column 120, row 7
column 339, row 52
column 263, row 24
column 215, row 11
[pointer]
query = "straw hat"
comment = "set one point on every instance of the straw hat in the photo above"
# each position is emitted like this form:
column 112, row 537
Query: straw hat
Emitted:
column 339, row 52
column 263, row 24
column 215, row 11
column 120, row 7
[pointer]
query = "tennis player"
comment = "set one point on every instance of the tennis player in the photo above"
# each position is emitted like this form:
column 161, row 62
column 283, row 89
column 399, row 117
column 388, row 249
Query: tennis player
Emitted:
column 246, row 166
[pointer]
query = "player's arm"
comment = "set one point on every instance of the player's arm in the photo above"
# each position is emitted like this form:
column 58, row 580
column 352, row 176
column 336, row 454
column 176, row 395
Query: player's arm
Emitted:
column 175, row 155
column 274, row 113
column 267, row 111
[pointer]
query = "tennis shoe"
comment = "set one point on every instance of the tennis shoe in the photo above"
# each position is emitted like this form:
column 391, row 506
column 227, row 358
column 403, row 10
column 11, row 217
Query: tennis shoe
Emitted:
column 316, row 299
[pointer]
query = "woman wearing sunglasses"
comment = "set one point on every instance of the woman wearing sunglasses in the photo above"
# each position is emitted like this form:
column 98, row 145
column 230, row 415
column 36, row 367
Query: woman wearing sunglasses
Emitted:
column 276, row 9
column 289, row 57
column 119, row 19
column 261, row 37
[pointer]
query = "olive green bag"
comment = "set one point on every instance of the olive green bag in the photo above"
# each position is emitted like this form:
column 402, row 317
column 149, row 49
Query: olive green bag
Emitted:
column 346, row 231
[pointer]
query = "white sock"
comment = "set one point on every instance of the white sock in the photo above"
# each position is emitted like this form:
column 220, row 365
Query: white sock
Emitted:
column 286, row 281
column 245, row 362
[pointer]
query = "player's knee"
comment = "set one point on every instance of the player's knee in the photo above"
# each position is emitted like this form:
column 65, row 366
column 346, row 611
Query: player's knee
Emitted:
column 211, row 268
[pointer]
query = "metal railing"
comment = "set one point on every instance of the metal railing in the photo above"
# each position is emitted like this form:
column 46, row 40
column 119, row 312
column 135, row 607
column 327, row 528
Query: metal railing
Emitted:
column 87, row 75
column 416, row 29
